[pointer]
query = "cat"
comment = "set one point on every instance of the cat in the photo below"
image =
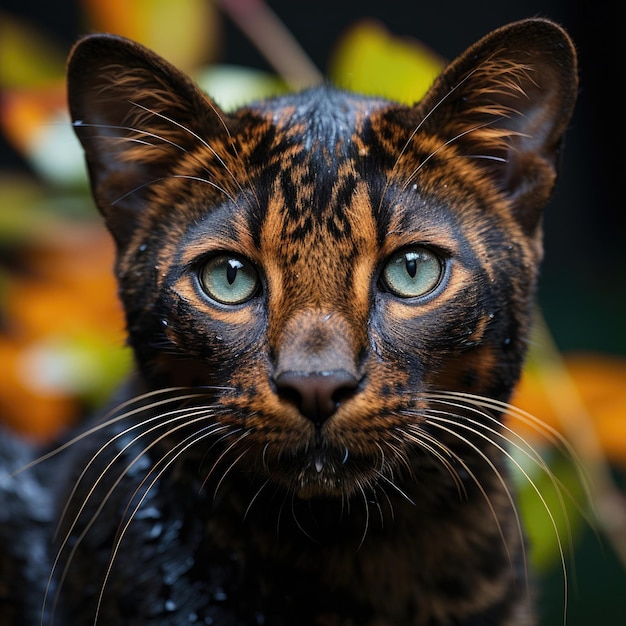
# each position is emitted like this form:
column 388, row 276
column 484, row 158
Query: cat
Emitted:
column 328, row 297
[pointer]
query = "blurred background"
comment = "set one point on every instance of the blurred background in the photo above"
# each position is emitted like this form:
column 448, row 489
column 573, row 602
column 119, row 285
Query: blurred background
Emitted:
column 61, row 331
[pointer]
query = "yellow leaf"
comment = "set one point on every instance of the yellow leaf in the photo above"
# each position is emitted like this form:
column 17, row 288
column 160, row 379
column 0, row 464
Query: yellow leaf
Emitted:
column 371, row 61
column 184, row 32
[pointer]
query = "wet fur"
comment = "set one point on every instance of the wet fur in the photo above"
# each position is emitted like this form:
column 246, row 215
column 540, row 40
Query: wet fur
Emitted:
column 206, row 494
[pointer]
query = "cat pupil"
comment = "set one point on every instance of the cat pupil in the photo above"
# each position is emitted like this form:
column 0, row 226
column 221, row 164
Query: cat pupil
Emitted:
column 411, row 265
column 231, row 271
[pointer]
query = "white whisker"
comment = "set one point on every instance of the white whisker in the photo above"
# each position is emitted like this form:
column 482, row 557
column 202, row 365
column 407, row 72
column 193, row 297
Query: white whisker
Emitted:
column 393, row 485
column 432, row 446
column 426, row 117
column 171, row 177
column 193, row 134
column 474, row 404
column 438, row 421
column 254, row 498
column 108, row 421
column 172, row 416
column 297, row 521
column 156, row 473
column 366, row 524
column 162, row 140
column 444, row 144
column 204, row 413
column 234, row 444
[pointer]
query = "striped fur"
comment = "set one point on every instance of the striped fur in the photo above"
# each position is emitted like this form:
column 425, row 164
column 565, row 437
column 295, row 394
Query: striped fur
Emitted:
column 213, row 494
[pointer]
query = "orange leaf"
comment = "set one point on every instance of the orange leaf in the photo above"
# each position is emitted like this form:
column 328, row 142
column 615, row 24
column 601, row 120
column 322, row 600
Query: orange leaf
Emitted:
column 28, row 410
column 601, row 382
column 68, row 292
column 23, row 112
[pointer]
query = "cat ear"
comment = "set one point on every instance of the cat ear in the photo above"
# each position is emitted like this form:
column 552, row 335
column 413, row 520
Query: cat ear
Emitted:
column 135, row 115
column 505, row 103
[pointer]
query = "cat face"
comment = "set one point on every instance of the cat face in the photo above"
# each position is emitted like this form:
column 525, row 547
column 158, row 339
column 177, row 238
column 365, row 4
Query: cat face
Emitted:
column 336, row 268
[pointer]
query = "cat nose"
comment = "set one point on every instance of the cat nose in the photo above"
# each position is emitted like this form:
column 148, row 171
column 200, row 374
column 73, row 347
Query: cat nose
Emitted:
column 316, row 394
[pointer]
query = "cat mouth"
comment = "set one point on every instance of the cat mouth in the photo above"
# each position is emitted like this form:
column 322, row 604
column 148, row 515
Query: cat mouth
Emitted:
column 320, row 460
column 322, row 471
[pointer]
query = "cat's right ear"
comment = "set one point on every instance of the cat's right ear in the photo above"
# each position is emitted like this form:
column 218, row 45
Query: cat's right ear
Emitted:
column 135, row 115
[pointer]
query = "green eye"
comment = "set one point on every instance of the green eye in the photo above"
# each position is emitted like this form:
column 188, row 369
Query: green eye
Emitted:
column 229, row 279
column 412, row 273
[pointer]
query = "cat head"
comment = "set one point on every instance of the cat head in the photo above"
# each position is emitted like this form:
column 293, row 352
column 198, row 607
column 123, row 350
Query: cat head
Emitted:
column 332, row 264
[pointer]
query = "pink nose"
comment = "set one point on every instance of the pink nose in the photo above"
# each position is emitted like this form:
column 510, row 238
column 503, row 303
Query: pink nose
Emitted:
column 316, row 394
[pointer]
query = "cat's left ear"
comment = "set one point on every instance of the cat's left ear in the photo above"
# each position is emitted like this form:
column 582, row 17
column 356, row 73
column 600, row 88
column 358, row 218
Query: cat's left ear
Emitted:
column 505, row 104
column 136, row 116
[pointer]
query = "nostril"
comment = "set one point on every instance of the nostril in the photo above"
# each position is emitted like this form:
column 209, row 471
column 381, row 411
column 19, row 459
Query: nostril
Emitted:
column 316, row 394
column 289, row 393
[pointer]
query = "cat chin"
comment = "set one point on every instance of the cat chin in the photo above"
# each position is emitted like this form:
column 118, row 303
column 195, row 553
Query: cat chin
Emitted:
column 321, row 488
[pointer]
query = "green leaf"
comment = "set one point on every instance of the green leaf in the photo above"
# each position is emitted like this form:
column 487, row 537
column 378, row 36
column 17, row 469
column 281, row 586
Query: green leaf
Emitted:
column 232, row 86
column 27, row 58
column 84, row 365
column 552, row 520
column 369, row 60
